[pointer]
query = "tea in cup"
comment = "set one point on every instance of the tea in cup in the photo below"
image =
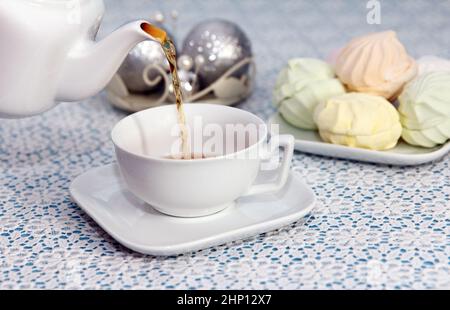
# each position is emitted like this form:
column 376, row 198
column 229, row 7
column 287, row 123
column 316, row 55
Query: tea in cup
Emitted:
column 228, row 146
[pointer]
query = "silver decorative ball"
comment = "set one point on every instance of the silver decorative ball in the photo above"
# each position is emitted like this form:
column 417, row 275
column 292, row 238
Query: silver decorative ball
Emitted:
column 189, row 85
column 215, row 46
column 185, row 63
column 132, row 69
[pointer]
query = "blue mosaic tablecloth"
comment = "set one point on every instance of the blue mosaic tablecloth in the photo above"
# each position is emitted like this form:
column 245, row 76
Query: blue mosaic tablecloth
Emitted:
column 374, row 227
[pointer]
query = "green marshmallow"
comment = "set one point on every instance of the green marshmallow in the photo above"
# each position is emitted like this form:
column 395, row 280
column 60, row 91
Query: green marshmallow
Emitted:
column 425, row 110
column 301, row 86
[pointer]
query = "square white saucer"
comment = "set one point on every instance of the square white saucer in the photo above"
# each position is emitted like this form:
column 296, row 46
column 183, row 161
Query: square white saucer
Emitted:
column 102, row 194
column 309, row 141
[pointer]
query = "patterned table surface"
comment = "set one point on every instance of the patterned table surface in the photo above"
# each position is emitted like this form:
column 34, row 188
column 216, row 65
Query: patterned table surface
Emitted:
column 374, row 227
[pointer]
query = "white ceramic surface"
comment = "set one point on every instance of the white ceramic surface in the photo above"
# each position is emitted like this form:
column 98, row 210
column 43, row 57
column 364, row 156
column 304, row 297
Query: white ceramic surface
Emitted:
column 192, row 188
column 102, row 194
column 48, row 54
column 403, row 154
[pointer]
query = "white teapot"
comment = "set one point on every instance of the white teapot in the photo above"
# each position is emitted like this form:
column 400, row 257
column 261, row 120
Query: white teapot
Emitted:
column 48, row 53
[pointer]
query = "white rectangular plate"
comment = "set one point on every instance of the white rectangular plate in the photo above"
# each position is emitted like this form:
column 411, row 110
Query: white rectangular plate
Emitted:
column 403, row 154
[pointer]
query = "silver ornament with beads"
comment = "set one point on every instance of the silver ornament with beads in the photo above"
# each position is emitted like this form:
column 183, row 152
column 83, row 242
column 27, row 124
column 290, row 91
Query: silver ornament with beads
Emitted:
column 215, row 46
column 217, row 68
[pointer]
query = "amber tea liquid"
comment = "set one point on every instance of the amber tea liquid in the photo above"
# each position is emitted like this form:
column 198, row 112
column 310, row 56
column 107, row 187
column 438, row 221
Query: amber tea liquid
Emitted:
column 171, row 55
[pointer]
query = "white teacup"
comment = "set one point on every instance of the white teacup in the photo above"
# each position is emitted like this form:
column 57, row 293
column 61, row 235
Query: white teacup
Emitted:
column 197, row 187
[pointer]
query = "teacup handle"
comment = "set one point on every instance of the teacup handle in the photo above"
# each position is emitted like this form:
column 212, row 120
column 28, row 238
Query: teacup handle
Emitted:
column 287, row 143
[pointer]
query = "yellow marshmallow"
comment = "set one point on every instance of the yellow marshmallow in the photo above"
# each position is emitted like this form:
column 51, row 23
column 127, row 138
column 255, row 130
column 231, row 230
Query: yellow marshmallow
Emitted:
column 359, row 120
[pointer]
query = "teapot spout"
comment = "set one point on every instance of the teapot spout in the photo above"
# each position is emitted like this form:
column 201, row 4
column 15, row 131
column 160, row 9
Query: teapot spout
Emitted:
column 91, row 66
